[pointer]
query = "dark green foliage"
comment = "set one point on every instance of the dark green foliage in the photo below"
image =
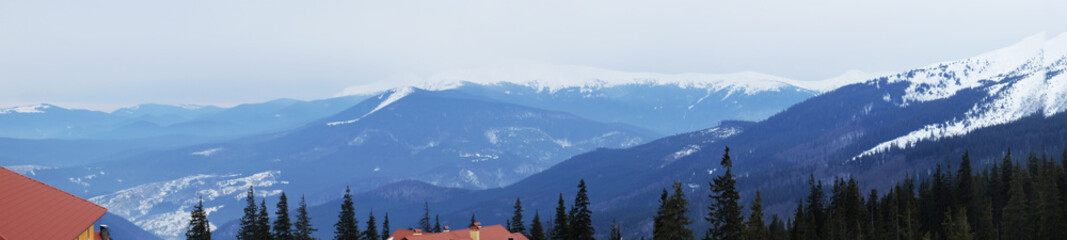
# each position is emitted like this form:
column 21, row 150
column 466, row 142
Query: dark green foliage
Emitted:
column 302, row 229
column 283, row 228
column 473, row 221
column 517, row 225
column 436, row 223
column 199, row 227
column 248, row 220
column 777, row 229
column 262, row 222
column 754, row 227
column 537, row 231
column 581, row 218
column 424, row 223
column 372, row 228
column 346, row 227
column 1009, row 201
column 560, row 229
column 724, row 212
column 672, row 220
column 955, row 225
column 385, row 228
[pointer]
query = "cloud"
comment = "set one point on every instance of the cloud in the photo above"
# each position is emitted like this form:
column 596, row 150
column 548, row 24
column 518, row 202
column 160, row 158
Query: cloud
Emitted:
column 123, row 52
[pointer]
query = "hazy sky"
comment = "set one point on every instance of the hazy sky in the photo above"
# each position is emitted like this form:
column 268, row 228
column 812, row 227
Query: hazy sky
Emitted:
column 104, row 54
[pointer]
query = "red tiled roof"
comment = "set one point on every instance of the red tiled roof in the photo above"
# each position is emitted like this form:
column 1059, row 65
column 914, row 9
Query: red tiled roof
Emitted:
column 33, row 210
column 495, row 232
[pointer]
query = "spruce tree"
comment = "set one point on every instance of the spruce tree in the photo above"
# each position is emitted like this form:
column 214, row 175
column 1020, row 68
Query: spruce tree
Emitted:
column 346, row 227
column 581, row 218
column 302, row 227
column 537, row 232
column 754, row 227
column 248, row 220
column 436, row 223
column 561, row 228
column 424, row 223
column 263, row 221
column 816, row 228
column 199, row 227
column 372, row 228
column 955, row 225
column 659, row 228
column 674, row 219
column 965, row 190
column 473, row 221
column 724, row 213
column 615, row 233
column 386, row 232
column 283, row 228
column 517, row 225
column 1016, row 212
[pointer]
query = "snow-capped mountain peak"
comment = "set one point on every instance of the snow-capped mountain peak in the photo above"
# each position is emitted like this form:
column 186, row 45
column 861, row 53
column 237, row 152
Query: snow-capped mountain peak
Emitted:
column 552, row 78
column 37, row 108
column 1021, row 80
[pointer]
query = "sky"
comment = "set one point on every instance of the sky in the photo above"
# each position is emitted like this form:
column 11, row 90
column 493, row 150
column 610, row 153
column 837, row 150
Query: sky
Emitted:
column 108, row 54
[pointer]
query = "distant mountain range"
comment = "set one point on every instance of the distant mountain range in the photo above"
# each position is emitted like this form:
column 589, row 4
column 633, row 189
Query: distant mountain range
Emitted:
column 469, row 142
column 1006, row 99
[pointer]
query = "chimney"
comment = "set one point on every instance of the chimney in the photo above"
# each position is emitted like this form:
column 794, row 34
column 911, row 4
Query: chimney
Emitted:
column 475, row 234
column 104, row 233
column 418, row 232
column 446, row 229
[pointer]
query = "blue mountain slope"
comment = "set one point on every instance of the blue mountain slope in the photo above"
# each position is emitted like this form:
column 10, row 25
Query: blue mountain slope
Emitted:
column 446, row 138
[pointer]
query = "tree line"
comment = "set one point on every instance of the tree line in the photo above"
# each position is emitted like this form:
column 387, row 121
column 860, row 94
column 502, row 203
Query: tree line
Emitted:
column 1009, row 200
column 575, row 224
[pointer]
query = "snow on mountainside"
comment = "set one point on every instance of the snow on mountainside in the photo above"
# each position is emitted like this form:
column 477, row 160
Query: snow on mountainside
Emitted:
column 39, row 108
column 1020, row 80
column 162, row 208
column 552, row 78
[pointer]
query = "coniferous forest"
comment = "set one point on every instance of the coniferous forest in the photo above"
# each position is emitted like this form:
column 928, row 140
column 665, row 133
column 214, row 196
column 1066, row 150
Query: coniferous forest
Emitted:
column 1017, row 198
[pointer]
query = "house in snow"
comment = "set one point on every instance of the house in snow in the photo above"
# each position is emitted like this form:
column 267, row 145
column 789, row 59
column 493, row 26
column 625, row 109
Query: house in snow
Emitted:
column 30, row 209
column 476, row 232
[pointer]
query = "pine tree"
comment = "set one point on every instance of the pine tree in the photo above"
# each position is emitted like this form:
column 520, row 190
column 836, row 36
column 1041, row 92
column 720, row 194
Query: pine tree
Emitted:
column 248, row 220
column 724, row 213
column 955, row 225
column 581, row 218
column 616, row 234
column 263, row 221
column 673, row 218
column 474, row 222
column 302, row 227
column 372, row 228
column 561, row 228
column 965, row 190
column 283, row 228
column 346, row 227
column 537, row 232
column 659, row 229
column 436, row 223
column 386, row 232
column 424, row 223
column 816, row 218
column 517, row 225
column 199, row 227
column 754, row 227
column 1016, row 212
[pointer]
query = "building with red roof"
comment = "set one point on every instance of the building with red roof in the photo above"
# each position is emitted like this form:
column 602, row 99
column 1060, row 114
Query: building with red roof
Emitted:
column 477, row 232
column 30, row 209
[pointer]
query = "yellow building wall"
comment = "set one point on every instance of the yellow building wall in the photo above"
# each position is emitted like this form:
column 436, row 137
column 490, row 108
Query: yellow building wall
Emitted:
column 88, row 234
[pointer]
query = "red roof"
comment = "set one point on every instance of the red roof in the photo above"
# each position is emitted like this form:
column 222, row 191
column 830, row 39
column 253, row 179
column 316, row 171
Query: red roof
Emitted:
column 34, row 210
column 495, row 232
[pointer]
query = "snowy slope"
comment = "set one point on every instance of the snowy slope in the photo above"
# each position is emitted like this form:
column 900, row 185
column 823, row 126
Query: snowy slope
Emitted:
column 552, row 78
column 162, row 208
column 1020, row 80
